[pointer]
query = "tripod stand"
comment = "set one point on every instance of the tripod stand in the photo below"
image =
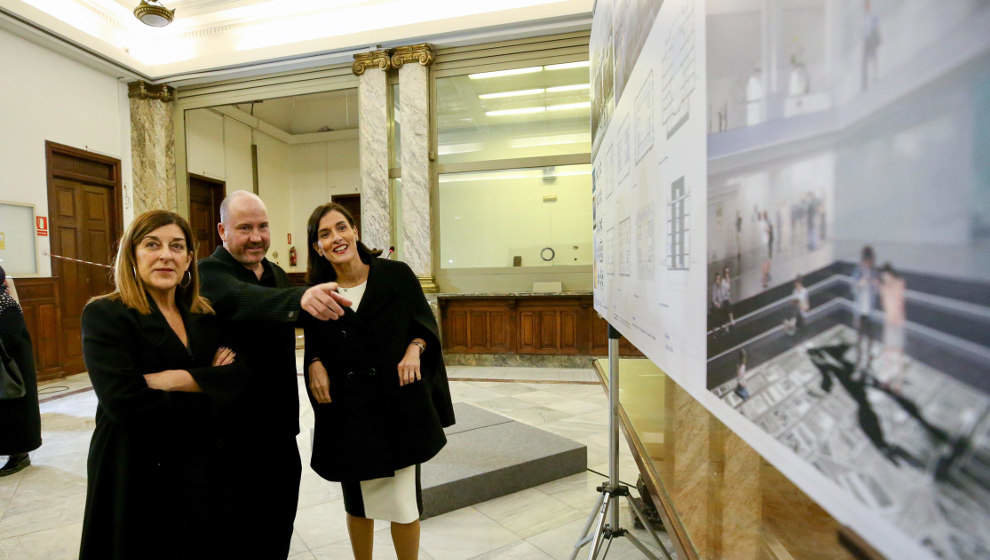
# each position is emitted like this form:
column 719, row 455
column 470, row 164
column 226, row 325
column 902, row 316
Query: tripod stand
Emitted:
column 605, row 515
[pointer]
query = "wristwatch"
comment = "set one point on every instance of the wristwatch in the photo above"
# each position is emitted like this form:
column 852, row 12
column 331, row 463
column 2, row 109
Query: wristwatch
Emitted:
column 422, row 347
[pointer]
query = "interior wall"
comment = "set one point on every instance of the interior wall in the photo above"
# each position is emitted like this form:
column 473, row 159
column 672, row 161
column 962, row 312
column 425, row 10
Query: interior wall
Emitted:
column 293, row 179
column 46, row 96
column 910, row 179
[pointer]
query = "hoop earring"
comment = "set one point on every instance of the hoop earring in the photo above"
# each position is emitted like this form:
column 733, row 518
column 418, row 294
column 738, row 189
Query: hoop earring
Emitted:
column 186, row 279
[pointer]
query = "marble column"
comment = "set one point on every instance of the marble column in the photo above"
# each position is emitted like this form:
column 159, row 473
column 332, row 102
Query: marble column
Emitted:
column 373, row 67
column 152, row 147
column 413, row 233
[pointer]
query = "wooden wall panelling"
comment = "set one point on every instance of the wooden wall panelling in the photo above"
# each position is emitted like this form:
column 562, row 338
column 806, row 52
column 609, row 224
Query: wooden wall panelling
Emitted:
column 40, row 302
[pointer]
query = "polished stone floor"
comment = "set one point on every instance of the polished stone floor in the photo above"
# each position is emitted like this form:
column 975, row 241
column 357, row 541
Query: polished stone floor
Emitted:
column 41, row 507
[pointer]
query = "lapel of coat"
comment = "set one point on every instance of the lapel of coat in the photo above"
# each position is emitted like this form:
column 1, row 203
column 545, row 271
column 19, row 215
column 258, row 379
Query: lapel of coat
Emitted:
column 378, row 292
column 160, row 335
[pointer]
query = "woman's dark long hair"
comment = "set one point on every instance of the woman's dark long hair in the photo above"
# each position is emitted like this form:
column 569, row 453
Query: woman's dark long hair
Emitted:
column 318, row 269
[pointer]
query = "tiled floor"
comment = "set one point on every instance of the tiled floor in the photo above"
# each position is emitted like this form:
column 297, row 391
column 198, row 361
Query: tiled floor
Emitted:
column 41, row 507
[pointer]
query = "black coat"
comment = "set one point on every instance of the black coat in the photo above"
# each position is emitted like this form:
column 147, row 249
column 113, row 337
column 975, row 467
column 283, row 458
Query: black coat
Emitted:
column 373, row 426
column 260, row 320
column 20, row 418
column 150, row 473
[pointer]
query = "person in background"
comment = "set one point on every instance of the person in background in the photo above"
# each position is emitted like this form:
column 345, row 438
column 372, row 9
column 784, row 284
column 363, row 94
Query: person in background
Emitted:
column 892, row 295
column 153, row 352
column 716, row 299
column 741, row 389
column 377, row 384
column 801, row 307
column 259, row 312
column 20, row 418
column 727, row 298
column 864, row 286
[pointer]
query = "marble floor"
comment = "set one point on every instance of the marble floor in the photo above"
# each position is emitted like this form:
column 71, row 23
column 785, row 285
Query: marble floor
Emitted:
column 41, row 507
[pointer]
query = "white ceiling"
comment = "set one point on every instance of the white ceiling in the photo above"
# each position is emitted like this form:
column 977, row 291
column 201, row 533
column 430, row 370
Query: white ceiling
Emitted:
column 214, row 34
column 303, row 114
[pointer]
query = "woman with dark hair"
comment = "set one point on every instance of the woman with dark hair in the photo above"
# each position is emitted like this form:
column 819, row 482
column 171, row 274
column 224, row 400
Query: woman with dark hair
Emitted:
column 154, row 358
column 377, row 384
column 20, row 417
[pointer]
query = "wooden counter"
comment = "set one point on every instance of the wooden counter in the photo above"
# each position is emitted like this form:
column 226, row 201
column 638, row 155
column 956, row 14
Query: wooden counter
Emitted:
column 525, row 323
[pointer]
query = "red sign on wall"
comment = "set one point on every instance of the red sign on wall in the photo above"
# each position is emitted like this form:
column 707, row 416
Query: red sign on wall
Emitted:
column 41, row 222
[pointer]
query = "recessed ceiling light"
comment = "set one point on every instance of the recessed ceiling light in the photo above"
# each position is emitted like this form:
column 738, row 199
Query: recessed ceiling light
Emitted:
column 153, row 13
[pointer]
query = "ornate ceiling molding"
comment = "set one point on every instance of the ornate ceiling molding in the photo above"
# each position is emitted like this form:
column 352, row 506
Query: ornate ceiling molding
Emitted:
column 422, row 53
column 381, row 58
column 144, row 90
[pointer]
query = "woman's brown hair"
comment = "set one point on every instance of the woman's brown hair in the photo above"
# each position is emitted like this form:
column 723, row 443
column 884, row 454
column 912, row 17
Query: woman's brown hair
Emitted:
column 318, row 269
column 129, row 286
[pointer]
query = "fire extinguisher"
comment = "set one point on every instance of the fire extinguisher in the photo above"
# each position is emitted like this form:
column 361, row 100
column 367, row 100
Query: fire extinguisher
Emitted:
column 292, row 256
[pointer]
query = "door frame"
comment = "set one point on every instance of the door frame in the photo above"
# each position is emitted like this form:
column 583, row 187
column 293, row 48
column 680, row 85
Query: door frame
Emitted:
column 117, row 217
column 221, row 184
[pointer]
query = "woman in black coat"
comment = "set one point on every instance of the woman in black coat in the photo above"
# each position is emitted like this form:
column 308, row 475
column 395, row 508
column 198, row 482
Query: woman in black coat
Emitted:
column 20, row 418
column 377, row 384
column 154, row 358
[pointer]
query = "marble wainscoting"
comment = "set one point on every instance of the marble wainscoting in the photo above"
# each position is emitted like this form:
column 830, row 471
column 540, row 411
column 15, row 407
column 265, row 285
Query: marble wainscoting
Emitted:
column 518, row 360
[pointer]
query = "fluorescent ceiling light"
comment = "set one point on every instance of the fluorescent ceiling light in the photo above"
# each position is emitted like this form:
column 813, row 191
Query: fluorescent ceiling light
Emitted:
column 538, row 91
column 537, row 173
column 516, row 93
column 574, row 87
column 560, row 139
column 569, row 106
column 520, row 111
column 566, row 65
column 500, row 73
column 447, row 149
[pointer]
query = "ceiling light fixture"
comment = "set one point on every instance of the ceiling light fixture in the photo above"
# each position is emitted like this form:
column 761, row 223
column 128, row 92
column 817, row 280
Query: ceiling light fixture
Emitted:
column 566, row 65
column 153, row 13
column 500, row 73
column 515, row 93
column 575, row 87
column 520, row 111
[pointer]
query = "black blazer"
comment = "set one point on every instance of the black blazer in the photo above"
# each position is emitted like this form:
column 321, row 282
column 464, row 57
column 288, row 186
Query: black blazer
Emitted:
column 151, row 453
column 261, row 321
column 374, row 427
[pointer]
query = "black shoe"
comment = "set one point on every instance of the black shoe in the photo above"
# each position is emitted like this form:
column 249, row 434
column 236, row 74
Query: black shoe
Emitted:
column 15, row 464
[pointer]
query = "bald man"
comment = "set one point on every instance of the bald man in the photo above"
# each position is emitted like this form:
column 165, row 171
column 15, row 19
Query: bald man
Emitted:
column 259, row 310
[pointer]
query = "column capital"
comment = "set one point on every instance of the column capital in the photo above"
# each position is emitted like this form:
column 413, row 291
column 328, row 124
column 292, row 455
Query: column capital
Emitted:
column 381, row 58
column 144, row 90
column 422, row 53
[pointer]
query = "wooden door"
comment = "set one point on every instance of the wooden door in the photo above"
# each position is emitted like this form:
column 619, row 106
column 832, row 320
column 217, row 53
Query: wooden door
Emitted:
column 205, row 196
column 82, row 228
column 85, row 222
column 353, row 204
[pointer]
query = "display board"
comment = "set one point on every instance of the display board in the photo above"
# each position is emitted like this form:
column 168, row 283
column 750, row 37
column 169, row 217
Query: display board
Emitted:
column 791, row 210
column 18, row 252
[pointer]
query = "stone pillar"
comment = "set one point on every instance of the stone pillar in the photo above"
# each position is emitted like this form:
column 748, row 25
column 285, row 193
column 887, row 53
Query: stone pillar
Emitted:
column 413, row 232
column 152, row 147
column 373, row 67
